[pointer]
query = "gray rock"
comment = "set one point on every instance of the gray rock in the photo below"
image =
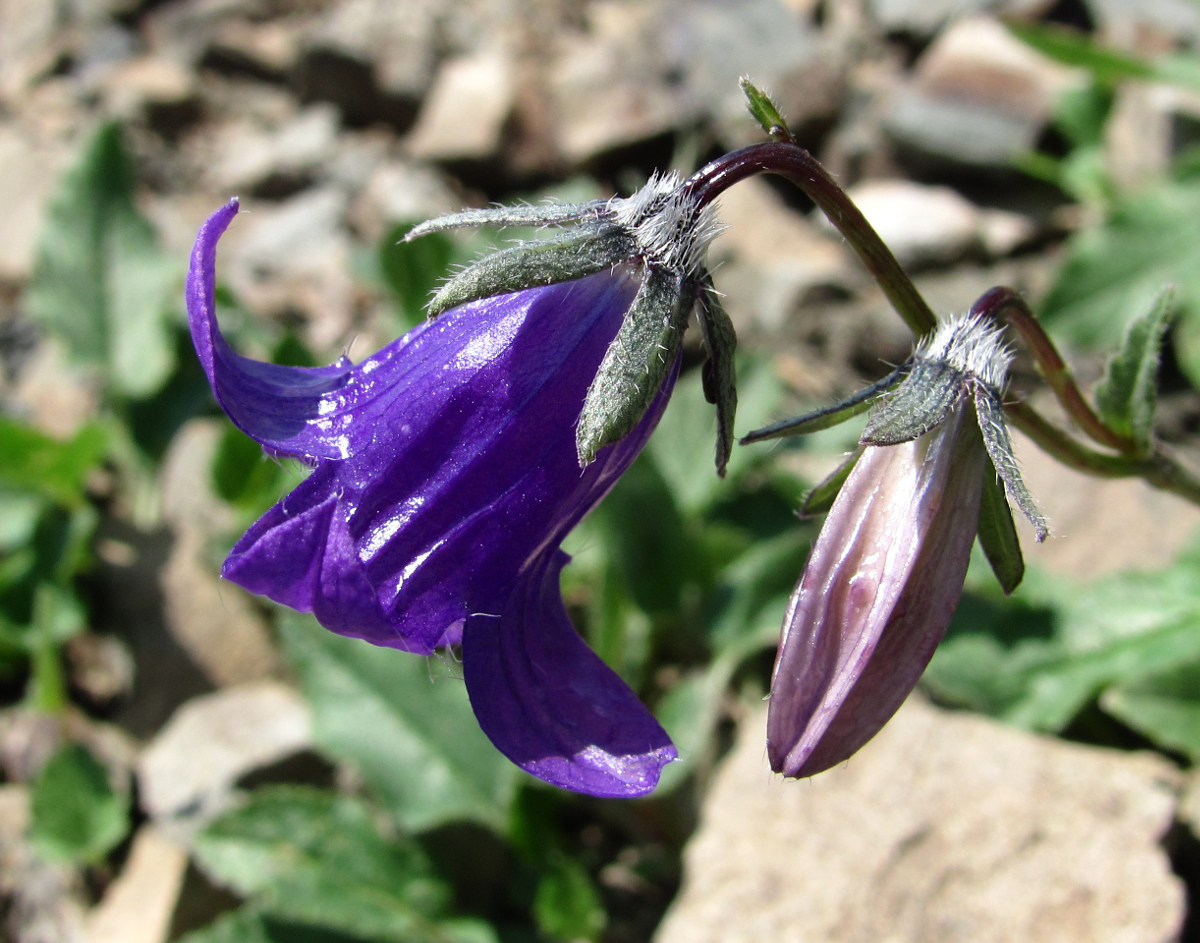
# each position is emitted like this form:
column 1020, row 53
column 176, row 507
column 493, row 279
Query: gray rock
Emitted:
column 977, row 96
column 189, row 769
column 612, row 86
column 467, row 108
column 946, row 827
column 29, row 172
column 931, row 225
column 254, row 158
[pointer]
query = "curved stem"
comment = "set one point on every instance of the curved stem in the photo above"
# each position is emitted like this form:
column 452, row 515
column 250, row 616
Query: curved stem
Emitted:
column 1158, row 469
column 1004, row 302
column 797, row 165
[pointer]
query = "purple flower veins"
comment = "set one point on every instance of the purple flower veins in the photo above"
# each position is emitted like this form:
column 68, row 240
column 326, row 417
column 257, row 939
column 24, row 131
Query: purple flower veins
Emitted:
column 446, row 473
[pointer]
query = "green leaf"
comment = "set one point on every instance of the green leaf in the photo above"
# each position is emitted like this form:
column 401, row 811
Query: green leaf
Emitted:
column 250, row 925
column 567, row 905
column 77, row 816
column 318, row 858
column 1164, row 706
column 38, row 463
column 1041, row 657
column 649, row 544
column 1128, row 393
column 100, row 281
column 1151, row 239
column 413, row 270
column 405, row 725
column 1076, row 49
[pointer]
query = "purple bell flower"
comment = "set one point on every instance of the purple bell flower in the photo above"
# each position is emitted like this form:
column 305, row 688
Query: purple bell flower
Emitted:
column 887, row 569
column 445, row 475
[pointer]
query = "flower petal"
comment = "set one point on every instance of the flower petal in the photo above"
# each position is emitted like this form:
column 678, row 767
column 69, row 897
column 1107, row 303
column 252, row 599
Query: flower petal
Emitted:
column 550, row 704
column 876, row 596
column 277, row 406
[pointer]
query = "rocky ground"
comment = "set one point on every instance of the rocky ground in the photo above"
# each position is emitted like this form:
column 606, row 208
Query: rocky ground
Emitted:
column 335, row 120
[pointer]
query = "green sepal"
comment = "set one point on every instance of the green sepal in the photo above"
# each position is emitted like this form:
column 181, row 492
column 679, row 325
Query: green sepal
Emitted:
column 998, row 533
column 564, row 258
column 821, row 498
column 921, row 403
column 719, row 373
column 765, row 111
column 545, row 214
column 636, row 362
column 989, row 409
column 1127, row 396
column 827, row 416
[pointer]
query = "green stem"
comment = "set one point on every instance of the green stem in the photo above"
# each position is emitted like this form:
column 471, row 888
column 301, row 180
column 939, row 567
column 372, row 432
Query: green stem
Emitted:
column 1006, row 303
column 797, row 165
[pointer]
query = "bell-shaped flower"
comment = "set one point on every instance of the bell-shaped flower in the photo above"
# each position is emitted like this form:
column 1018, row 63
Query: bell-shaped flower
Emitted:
column 448, row 467
column 887, row 569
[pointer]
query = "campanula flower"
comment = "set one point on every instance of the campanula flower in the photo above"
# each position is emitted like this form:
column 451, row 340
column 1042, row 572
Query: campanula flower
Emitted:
column 448, row 467
column 887, row 569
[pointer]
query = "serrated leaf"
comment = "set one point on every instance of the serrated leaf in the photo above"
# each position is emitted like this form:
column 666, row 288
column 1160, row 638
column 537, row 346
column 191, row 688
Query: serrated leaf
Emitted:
column 76, row 815
column 412, row 735
column 37, row 463
column 318, row 858
column 100, row 282
column 1128, row 393
column 1151, row 239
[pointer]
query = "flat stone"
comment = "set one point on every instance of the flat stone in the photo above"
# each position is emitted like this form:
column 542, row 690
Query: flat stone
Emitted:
column 464, row 116
column 29, row 172
column 977, row 96
column 189, row 768
column 946, row 827
column 253, row 157
column 772, row 257
column 213, row 621
column 137, row 906
column 612, row 87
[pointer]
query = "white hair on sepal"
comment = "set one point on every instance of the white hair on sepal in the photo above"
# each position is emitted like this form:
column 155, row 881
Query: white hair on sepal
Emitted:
column 972, row 344
column 669, row 224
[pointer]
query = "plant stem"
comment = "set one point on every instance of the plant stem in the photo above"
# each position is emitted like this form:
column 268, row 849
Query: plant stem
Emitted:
column 797, row 165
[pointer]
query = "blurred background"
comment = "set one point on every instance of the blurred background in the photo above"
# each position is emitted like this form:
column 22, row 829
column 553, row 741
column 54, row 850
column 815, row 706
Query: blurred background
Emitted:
column 181, row 761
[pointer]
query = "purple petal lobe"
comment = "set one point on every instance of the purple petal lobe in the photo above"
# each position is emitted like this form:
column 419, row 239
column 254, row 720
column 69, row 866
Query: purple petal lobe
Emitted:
column 550, row 704
column 876, row 597
column 280, row 407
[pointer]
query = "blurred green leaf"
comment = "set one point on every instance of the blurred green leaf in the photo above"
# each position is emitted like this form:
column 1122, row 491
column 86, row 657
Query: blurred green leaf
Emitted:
column 412, row 270
column 1118, row 269
column 242, row 474
column 683, row 443
column 250, row 925
column 76, row 815
column 38, row 463
column 1128, row 393
column 567, row 905
column 1040, row 658
column 100, row 281
column 318, row 858
column 1164, row 706
column 1077, row 49
column 412, row 735
column 651, row 546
